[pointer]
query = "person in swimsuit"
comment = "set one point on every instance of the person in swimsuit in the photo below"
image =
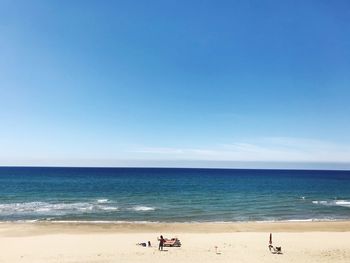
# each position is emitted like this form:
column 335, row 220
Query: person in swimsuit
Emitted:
column 161, row 243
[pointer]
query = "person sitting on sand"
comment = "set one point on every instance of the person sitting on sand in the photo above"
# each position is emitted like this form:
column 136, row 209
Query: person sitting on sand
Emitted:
column 149, row 243
column 275, row 250
column 161, row 242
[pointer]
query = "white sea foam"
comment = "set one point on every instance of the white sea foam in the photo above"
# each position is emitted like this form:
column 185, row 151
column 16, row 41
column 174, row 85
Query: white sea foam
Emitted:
column 301, row 220
column 102, row 201
column 45, row 208
column 142, row 208
column 344, row 203
column 102, row 222
column 51, row 220
column 320, row 202
column 109, row 208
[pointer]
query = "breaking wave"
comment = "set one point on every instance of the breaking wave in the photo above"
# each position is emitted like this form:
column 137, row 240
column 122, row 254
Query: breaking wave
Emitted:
column 142, row 208
column 343, row 203
column 46, row 208
column 102, row 201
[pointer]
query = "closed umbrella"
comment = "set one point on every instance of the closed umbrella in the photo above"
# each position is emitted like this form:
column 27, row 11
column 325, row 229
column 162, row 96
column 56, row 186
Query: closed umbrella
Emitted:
column 270, row 242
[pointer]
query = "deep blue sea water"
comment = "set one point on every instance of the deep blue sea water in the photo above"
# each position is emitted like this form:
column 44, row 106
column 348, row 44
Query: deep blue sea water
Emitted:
column 172, row 195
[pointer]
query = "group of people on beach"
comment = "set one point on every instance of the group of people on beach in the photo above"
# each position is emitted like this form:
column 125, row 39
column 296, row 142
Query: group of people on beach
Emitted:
column 174, row 242
column 161, row 240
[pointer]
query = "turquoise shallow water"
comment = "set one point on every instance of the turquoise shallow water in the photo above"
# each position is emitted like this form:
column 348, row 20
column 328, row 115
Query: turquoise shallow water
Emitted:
column 172, row 195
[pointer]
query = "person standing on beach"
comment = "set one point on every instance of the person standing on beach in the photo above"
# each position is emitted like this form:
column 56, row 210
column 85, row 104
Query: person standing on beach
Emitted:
column 161, row 243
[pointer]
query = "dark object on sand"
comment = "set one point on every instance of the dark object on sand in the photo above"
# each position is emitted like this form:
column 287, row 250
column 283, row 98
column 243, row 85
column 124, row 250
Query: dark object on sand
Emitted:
column 275, row 250
column 142, row 244
column 173, row 242
column 161, row 243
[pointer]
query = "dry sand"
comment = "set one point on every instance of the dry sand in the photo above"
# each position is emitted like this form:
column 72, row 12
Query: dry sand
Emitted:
column 235, row 242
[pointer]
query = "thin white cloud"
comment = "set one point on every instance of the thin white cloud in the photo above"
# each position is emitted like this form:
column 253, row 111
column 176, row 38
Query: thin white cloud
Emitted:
column 280, row 149
column 270, row 152
column 159, row 150
column 175, row 151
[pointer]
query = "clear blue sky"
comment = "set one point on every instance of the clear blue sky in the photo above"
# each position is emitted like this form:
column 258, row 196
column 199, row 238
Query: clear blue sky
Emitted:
column 175, row 83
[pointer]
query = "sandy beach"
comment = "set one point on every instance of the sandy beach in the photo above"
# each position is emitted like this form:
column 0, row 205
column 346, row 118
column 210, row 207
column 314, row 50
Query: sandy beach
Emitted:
column 201, row 242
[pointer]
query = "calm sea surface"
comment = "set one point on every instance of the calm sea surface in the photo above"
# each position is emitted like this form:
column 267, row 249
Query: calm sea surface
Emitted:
column 172, row 195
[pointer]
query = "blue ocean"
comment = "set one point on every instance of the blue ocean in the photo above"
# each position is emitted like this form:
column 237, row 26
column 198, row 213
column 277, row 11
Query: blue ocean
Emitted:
column 172, row 195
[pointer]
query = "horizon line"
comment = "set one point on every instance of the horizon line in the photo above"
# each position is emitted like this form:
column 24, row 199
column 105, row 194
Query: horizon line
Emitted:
column 174, row 167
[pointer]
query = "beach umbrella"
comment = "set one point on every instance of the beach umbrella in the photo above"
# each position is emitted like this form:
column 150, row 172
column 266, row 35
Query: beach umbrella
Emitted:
column 270, row 239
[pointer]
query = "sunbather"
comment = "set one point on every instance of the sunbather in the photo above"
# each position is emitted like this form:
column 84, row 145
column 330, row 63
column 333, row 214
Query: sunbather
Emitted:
column 141, row 244
column 144, row 244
